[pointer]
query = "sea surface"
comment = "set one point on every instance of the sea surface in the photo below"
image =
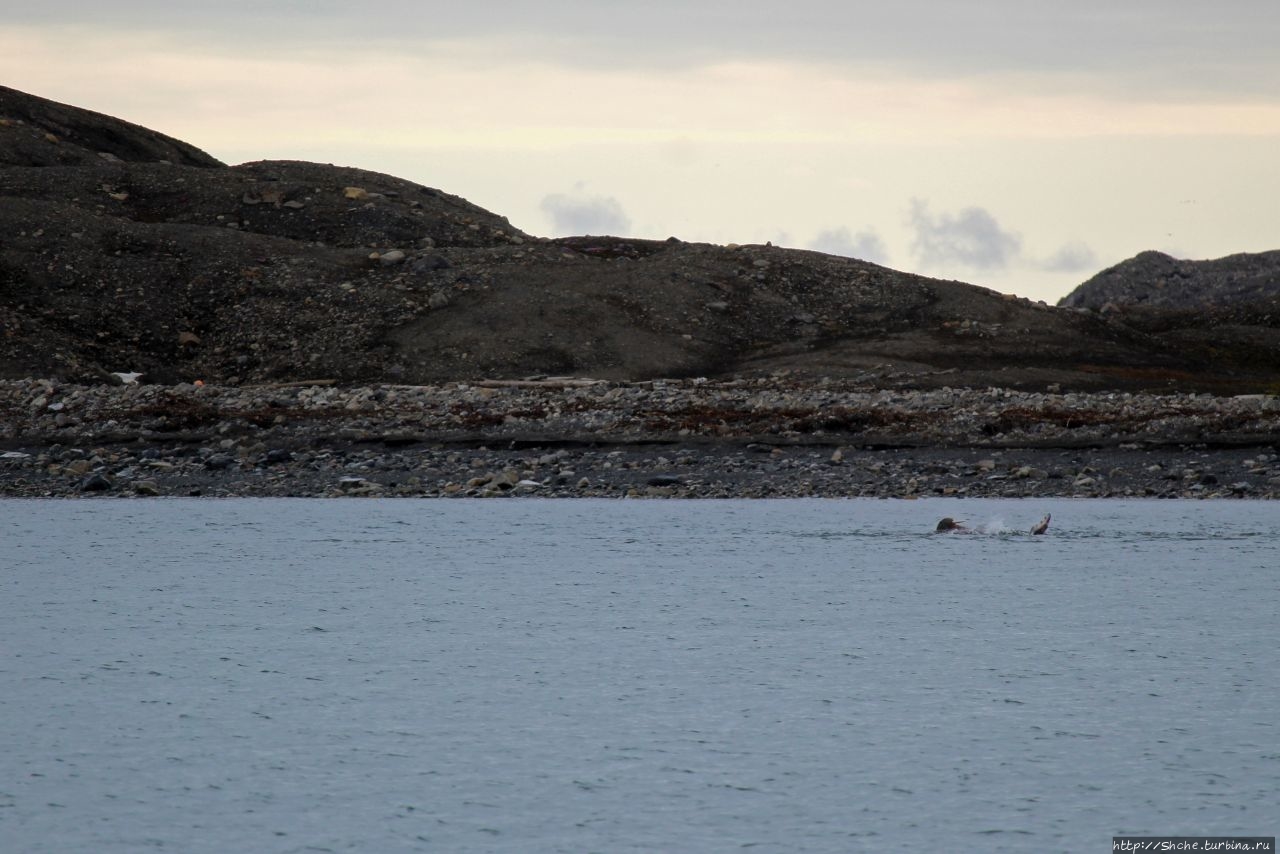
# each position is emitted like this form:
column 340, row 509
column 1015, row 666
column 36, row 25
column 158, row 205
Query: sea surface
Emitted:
column 634, row 676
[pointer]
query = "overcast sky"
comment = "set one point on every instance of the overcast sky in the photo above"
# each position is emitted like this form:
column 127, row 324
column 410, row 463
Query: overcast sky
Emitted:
column 1018, row 144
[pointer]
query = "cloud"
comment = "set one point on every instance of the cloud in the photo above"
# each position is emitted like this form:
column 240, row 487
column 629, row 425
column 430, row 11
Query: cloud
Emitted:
column 866, row 244
column 1070, row 258
column 971, row 238
column 575, row 214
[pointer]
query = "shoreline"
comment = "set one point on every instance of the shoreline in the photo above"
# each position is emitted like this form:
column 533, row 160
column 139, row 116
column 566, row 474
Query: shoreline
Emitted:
column 572, row 437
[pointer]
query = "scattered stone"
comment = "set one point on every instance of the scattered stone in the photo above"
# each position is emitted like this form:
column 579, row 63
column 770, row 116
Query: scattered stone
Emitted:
column 79, row 467
column 505, row 480
column 430, row 263
column 95, row 483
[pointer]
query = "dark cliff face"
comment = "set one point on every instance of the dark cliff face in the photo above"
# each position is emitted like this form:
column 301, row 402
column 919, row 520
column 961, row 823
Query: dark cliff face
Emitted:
column 124, row 250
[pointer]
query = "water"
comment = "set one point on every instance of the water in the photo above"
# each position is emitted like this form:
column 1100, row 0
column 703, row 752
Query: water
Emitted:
column 622, row 676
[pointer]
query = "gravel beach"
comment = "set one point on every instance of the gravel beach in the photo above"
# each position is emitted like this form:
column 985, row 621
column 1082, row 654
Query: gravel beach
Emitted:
column 573, row 437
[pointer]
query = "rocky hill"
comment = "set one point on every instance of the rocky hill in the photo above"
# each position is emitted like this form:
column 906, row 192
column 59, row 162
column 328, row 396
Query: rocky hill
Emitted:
column 122, row 249
column 1156, row 280
column 1227, row 310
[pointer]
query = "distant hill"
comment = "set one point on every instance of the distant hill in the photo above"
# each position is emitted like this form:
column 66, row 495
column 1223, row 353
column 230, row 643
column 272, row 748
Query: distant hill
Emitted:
column 1221, row 311
column 122, row 249
column 1156, row 280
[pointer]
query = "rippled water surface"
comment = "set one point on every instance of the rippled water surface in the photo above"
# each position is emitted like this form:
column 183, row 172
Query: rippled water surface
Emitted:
column 622, row 676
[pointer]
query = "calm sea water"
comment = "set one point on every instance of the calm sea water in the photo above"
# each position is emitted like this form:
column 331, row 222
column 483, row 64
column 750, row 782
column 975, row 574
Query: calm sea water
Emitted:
column 623, row 676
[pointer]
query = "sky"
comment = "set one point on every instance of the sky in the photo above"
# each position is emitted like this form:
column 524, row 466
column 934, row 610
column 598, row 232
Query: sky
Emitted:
column 1023, row 145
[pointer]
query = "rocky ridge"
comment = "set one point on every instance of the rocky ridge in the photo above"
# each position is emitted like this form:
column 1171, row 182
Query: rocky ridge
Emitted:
column 1157, row 280
column 1225, row 309
column 126, row 251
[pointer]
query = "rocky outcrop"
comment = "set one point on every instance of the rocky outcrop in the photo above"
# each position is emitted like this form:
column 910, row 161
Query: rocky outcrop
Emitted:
column 1156, row 280
column 1222, row 313
column 122, row 250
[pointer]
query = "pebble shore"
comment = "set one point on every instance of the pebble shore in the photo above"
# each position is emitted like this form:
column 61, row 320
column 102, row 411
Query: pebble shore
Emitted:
column 572, row 437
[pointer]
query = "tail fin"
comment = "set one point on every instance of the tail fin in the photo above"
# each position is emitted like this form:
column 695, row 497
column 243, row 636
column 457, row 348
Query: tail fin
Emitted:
column 1042, row 526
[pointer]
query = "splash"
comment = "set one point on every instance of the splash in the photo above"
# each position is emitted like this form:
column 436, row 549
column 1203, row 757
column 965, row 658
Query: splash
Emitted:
column 996, row 526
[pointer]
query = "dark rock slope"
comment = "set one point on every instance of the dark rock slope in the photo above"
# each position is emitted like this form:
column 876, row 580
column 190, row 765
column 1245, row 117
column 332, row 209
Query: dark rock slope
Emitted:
column 1156, row 280
column 37, row 132
column 124, row 250
column 1223, row 312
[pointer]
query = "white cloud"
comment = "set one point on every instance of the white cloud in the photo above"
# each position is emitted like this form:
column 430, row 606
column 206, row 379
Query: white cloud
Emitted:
column 866, row 244
column 974, row 240
column 970, row 238
column 577, row 213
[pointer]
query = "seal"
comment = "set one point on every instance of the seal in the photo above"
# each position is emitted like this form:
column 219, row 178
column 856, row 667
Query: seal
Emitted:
column 949, row 525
